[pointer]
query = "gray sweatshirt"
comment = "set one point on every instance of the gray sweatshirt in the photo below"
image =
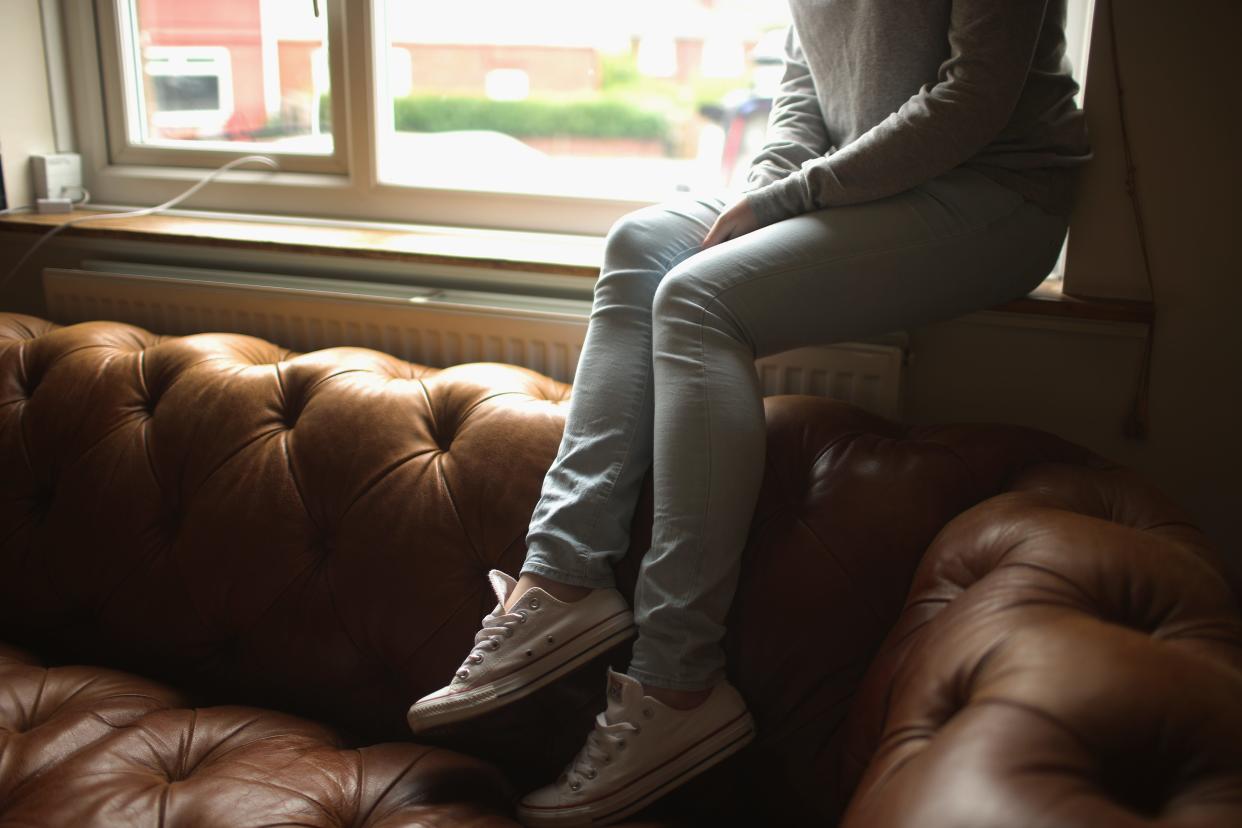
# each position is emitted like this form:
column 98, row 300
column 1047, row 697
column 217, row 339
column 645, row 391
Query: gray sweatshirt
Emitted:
column 879, row 96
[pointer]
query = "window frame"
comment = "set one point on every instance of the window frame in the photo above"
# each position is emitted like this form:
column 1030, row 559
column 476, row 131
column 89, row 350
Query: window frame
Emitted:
column 121, row 107
column 118, row 173
column 346, row 185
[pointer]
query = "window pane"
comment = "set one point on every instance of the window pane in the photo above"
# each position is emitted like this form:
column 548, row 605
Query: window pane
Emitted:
column 630, row 99
column 253, row 72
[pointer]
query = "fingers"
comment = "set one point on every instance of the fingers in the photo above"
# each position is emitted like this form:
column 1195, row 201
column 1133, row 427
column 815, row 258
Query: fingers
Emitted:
column 721, row 231
column 737, row 220
column 715, row 235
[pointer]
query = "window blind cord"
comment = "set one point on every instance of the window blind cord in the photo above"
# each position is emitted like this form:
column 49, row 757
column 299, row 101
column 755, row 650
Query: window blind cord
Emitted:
column 142, row 211
column 1137, row 422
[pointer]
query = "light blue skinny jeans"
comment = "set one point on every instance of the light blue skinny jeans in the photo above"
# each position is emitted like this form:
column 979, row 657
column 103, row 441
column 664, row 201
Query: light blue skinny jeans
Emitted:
column 667, row 378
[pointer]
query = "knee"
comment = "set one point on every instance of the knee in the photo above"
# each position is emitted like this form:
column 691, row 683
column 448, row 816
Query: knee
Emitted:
column 636, row 256
column 688, row 296
column 656, row 236
column 679, row 296
column 636, row 238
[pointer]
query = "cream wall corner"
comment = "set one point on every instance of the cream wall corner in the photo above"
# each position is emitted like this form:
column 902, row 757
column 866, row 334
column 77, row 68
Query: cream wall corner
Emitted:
column 25, row 111
column 1180, row 64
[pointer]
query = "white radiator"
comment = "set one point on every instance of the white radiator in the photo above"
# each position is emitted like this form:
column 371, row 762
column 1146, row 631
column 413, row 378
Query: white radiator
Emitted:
column 428, row 325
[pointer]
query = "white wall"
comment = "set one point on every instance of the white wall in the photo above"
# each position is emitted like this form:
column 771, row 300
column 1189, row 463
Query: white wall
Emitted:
column 25, row 113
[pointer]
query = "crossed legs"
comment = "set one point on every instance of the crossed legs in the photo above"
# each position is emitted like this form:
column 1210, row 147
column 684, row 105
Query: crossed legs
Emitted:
column 667, row 381
column 667, row 378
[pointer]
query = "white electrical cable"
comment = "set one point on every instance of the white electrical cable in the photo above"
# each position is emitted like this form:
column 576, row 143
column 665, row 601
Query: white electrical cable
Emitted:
column 143, row 211
column 86, row 197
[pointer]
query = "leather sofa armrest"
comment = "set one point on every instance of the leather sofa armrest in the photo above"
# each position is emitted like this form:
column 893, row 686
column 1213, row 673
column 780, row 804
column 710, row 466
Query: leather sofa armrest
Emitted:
column 1070, row 655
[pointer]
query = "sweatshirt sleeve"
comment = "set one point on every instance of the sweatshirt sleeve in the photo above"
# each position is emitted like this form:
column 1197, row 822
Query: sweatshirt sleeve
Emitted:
column 991, row 47
column 796, row 132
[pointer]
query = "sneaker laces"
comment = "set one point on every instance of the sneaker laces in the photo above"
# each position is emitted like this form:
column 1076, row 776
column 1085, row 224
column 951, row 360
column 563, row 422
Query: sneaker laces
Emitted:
column 496, row 628
column 600, row 745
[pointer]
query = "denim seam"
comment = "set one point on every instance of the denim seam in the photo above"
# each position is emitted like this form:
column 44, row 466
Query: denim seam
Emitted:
column 679, row 602
column 973, row 231
column 707, row 409
column 625, row 457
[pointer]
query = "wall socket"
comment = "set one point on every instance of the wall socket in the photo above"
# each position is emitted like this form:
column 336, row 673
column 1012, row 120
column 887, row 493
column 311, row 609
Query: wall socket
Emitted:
column 57, row 176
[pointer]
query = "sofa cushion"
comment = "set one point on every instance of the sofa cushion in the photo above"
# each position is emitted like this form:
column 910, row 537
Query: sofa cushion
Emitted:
column 49, row 713
column 87, row 746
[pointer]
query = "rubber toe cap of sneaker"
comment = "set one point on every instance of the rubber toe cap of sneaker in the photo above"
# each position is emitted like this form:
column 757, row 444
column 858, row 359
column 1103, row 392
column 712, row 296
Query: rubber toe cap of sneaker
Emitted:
column 549, row 796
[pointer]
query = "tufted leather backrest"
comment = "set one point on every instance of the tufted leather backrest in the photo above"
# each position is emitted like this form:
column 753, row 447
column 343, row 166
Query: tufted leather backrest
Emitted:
column 311, row 532
column 1070, row 656
column 316, row 528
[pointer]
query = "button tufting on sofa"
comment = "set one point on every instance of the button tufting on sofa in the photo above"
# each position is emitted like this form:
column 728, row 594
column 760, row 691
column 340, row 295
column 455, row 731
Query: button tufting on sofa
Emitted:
column 51, row 713
column 214, row 766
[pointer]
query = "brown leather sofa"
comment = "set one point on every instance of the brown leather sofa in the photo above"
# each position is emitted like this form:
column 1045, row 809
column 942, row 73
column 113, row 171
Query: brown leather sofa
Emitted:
column 939, row 626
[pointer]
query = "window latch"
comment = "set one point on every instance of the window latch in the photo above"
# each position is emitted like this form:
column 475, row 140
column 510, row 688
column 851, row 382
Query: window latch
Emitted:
column 315, row 4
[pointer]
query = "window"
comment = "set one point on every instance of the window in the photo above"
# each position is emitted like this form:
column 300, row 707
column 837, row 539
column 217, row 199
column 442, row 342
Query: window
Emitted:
column 616, row 100
column 226, row 76
column 485, row 113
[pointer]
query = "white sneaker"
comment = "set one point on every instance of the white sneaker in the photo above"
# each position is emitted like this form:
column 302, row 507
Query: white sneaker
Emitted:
column 517, row 652
column 639, row 750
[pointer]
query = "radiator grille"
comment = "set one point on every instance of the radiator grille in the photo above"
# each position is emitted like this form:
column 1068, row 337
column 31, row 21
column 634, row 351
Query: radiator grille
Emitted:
column 431, row 326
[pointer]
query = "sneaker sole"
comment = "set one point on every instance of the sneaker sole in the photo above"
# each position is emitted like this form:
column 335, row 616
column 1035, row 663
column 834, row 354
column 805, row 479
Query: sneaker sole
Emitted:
column 517, row 685
column 642, row 792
